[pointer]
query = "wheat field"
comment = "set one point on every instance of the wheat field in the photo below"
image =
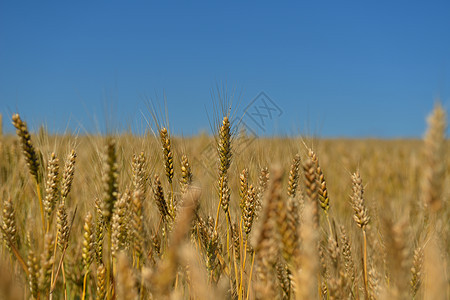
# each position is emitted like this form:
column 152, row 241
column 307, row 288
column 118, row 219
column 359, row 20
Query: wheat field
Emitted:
column 158, row 217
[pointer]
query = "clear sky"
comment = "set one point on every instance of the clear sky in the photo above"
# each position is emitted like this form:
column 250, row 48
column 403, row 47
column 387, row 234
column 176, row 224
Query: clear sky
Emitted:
column 333, row 68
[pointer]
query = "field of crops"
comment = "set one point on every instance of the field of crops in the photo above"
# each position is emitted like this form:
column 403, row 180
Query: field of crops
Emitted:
column 162, row 217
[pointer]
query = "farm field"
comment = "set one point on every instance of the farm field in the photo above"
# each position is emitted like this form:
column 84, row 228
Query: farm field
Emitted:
column 167, row 217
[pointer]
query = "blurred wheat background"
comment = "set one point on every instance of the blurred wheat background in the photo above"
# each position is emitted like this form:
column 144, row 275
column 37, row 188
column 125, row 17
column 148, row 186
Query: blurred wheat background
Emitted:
column 150, row 217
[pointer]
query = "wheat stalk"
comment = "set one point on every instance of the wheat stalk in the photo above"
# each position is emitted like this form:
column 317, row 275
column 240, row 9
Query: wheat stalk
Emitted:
column 361, row 218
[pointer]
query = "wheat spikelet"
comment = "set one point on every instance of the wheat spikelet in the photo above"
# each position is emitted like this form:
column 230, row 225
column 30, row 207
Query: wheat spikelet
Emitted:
column 62, row 226
column 434, row 168
column 346, row 251
column 33, row 273
column 293, row 176
column 139, row 165
column 290, row 236
column 324, row 200
column 167, row 153
column 156, row 244
column 236, row 240
column 212, row 248
column 67, row 177
column 287, row 228
column 309, row 169
column 333, row 250
column 263, row 179
column 243, row 186
column 202, row 230
column 224, row 193
column 88, row 242
column 417, row 270
column 99, row 231
column 374, row 285
column 116, row 245
column 284, row 280
column 357, row 200
column 158, row 194
column 262, row 187
column 9, row 223
column 361, row 218
column 109, row 178
column 324, row 267
column 51, row 186
column 248, row 211
column 186, row 174
column 101, row 282
column 224, row 152
column 224, row 146
column 119, row 222
column 29, row 151
column 33, row 269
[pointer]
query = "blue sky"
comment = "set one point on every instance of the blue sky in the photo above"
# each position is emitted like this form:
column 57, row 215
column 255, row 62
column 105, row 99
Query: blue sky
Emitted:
column 334, row 68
